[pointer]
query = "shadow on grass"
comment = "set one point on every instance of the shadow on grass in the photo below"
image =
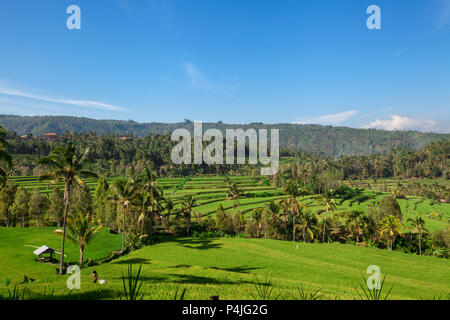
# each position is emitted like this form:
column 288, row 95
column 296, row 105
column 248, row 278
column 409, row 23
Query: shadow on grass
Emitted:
column 133, row 261
column 191, row 279
column 75, row 295
column 242, row 269
column 154, row 279
column 197, row 244
column 181, row 266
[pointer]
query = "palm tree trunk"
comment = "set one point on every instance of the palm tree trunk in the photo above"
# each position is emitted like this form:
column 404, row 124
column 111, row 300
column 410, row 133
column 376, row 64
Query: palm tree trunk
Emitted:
column 286, row 225
column 81, row 255
column 66, row 209
column 323, row 229
column 357, row 233
column 123, row 230
column 293, row 219
column 303, row 233
column 420, row 242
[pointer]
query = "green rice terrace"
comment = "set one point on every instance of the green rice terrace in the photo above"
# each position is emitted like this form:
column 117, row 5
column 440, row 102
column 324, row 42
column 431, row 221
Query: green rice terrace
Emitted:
column 231, row 267
column 258, row 191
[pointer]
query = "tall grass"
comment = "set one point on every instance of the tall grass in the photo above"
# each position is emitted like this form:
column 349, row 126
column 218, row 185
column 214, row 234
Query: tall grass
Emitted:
column 373, row 294
column 132, row 284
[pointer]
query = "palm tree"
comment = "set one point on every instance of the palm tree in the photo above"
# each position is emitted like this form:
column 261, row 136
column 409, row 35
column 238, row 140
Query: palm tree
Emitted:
column 234, row 193
column 4, row 157
column 257, row 216
column 82, row 231
column 168, row 207
column 285, row 207
column 272, row 209
column 328, row 203
column 308, row 223
column 187, row 204
column 294, row 190
column 390, row 226
column 68, row 165
column 149, row 183
column 123, row 192
column 357, row 219
column 419, row 224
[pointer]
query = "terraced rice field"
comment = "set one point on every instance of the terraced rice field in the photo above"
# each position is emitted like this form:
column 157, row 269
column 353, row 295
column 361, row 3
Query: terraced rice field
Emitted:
column 211, row 192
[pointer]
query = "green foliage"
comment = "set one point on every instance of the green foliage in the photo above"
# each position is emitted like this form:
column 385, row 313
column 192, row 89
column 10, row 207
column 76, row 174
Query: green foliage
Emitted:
column 6, row 201
column 224, row 222
column 390, row 207
column 374, row 293
column 132, row 284
column 263, row 289
column 332, row 141
column 20, row 206
column 36, row 206
column 56, row 208
column 308, row 295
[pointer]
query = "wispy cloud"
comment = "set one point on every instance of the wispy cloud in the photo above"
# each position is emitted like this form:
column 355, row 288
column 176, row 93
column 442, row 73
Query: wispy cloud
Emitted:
column 199, row 81
column 442, row 19
column 79, row 103
column 397, row 122
column 335, row 118
column 196, row 77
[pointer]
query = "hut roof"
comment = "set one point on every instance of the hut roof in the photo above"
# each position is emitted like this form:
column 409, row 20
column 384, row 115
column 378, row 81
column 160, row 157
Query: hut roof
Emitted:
column 43, row 249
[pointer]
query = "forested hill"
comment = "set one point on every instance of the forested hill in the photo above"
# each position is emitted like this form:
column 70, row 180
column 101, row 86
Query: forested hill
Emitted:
column 330, row 141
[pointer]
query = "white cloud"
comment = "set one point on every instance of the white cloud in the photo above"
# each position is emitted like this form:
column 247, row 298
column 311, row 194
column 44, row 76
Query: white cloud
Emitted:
column 397, row 122
column 79, row 103
column 335, row 118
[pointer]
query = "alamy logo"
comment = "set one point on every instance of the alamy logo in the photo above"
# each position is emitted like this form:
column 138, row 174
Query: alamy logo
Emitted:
column 74, row 281
column 74, row 20
column 374, row 21
column 213, row 153
column 373, row 282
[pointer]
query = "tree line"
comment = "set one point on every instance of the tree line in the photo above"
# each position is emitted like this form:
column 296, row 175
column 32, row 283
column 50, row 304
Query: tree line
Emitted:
column 326, row 140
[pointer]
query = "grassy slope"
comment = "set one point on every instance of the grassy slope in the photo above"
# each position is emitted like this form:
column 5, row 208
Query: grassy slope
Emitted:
column 227, row 267
column 17, row 258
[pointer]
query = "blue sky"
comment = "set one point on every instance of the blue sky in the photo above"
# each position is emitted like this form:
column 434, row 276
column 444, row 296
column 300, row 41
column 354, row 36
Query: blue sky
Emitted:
column 238, row 61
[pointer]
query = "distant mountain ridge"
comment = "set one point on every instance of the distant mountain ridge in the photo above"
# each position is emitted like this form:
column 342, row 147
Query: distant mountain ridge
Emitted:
column 328, row 140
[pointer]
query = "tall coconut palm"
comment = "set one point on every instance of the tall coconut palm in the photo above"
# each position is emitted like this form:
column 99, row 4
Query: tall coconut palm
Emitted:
column 68, row 165
column 357, row 221
column 308, row 223
column 82, row 231
column 168, row 207
column 285, row 207
column 188, row 203
column 123, row 192
column 390, row 226
column 4, row 157
column 257, row 217
column 329, row 204
column 419, row 224
column 234, row 193
column 149, row 183
column 292, row 188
